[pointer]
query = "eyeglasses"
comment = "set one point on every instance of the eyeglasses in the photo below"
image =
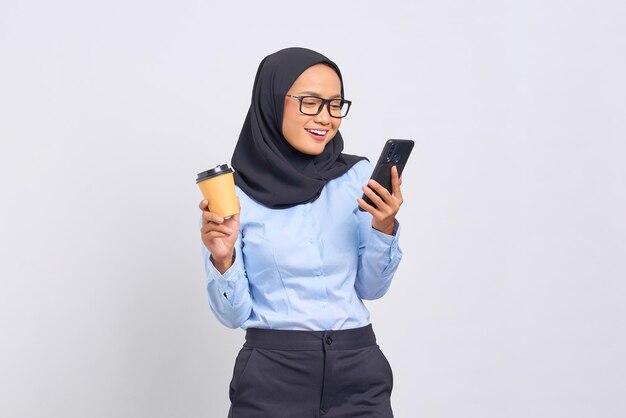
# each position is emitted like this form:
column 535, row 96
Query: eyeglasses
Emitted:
column 313, row 105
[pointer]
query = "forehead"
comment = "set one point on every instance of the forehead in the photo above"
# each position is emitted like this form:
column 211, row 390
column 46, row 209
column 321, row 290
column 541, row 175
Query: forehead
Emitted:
column 320, row 79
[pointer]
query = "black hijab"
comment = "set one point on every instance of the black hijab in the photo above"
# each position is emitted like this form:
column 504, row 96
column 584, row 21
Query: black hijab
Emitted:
column 267, row 167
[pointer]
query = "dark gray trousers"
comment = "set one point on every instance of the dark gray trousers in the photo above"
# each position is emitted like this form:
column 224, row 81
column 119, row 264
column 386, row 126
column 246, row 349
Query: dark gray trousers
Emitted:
column 311, row 374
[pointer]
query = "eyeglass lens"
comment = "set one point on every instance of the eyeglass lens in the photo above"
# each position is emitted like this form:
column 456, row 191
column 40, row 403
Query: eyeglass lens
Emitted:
column 313, row 106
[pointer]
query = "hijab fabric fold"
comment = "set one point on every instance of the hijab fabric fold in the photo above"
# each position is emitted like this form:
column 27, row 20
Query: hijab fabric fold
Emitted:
column 267, row 167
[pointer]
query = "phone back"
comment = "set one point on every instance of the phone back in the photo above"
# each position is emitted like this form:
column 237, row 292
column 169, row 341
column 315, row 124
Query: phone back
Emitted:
column 395, row 152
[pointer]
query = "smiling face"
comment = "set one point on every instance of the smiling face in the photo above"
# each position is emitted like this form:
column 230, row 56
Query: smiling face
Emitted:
column 310, row 134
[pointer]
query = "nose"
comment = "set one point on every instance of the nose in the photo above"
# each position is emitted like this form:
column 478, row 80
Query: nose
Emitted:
column 324, row 116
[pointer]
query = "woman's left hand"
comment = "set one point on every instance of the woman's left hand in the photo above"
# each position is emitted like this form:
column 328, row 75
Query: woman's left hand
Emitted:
column 387, row 204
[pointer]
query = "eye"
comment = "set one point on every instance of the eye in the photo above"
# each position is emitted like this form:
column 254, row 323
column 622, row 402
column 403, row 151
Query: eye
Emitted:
column 311, row 102
column 336, row 104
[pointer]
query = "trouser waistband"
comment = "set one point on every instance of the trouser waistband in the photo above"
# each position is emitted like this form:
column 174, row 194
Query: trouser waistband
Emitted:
column 275, row 339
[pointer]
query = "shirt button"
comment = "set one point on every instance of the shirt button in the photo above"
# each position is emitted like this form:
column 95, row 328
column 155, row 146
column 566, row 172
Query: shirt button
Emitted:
column 324, row 304
column 310, row 240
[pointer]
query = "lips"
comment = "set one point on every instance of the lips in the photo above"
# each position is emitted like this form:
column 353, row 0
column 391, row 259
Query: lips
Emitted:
column 318, row 134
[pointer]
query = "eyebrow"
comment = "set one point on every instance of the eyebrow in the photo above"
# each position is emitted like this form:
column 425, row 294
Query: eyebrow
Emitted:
column 313, row 93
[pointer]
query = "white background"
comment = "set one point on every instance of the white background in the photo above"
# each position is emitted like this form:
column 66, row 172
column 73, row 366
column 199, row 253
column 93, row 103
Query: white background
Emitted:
column 510, row 301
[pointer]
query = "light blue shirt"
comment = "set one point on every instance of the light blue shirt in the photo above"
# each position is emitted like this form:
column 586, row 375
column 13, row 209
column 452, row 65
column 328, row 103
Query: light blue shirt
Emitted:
column 308, row 267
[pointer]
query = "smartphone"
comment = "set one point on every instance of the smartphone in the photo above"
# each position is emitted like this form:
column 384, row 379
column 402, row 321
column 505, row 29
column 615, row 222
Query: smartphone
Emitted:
column 395, row 152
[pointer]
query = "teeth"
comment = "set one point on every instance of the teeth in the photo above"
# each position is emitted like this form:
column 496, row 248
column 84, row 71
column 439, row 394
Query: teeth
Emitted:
column 316, row 132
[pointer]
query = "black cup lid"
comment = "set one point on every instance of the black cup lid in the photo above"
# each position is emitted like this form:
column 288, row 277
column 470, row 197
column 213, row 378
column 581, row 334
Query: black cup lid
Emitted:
column 220, row 169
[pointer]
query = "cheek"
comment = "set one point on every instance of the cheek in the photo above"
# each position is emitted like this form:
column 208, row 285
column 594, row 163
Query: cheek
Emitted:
column 334, row 133
column 290, row 108
column 291, row 115
column 290, row 118
column 336, row 124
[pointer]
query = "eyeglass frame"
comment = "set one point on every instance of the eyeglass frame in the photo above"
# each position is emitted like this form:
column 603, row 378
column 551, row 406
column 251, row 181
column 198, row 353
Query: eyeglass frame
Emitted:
column 324, row 102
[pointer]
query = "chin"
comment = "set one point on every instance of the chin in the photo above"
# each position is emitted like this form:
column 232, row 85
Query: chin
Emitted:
column 317, row 150
column 310, row 151
column 308, row 148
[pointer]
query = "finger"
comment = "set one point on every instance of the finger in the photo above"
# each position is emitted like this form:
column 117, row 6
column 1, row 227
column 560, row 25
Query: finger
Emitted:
column 395, row 183
column 218, row 228
column 375, row 198
column 215, row 234
column 379, row 189
column 204, row 204
column 222, row 233
column 367, row 207
column 211, row 217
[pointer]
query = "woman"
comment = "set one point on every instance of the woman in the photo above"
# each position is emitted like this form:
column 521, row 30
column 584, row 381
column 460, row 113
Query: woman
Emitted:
column 294, row 267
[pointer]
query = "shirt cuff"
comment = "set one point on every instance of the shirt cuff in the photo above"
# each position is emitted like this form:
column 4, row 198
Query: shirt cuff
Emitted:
column 225, row 282
column 389, row 246
column 382, row 240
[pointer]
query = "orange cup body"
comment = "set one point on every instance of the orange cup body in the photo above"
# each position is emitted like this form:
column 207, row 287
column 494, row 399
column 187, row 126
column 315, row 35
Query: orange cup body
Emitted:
column 220, row 192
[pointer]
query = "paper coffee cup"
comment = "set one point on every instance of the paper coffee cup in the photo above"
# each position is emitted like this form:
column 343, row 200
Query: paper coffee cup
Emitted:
column 218, row 188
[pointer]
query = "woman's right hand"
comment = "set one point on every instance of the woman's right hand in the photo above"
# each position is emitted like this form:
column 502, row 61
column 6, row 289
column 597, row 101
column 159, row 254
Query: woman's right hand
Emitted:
column 219, row 236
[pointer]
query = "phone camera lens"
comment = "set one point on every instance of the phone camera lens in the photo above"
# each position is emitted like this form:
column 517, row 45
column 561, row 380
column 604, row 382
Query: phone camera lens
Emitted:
column 390, row 154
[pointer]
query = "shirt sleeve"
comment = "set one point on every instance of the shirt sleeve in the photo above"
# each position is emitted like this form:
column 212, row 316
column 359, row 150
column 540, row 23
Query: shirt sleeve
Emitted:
column 229, row 293
column 379, row 254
